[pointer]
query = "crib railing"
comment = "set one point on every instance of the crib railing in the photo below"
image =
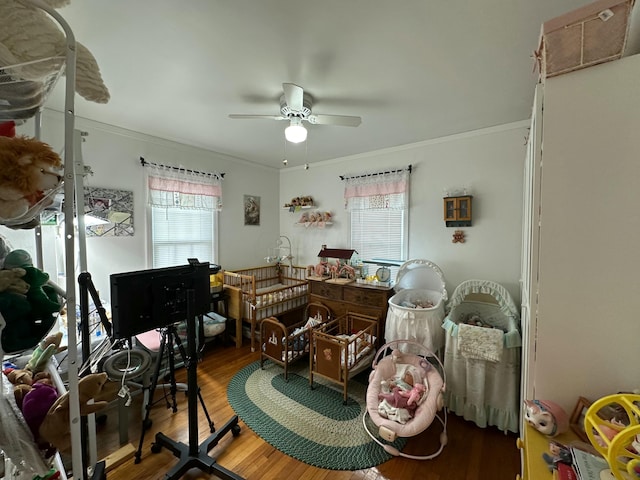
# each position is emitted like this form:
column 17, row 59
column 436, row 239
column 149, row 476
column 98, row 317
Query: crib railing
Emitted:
column 266, row 291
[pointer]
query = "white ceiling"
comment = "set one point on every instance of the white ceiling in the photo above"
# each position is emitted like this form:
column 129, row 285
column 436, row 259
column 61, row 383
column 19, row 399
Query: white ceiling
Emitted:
column 412, row 69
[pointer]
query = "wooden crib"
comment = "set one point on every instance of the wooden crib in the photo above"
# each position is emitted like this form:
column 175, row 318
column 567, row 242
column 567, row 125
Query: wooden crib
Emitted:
column 344, row 347
column 284, row 344
column 261, row 292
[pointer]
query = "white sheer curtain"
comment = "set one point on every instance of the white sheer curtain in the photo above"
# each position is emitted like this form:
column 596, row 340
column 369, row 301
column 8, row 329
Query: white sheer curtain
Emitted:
column 378, row 205
column 371, row 191
column 173, row 187
column 183, row 205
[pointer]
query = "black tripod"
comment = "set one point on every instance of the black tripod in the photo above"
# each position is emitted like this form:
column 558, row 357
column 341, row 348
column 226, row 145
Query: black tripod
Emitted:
column 195, row 455
column 168, row 342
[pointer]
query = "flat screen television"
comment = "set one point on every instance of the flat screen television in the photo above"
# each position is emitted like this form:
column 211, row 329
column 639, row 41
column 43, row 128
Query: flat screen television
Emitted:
column 150, row 299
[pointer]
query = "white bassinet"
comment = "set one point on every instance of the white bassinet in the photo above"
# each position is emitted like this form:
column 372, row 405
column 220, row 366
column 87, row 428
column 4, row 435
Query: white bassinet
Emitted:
column 416, row 311
column 483, row 364
column 391, row 360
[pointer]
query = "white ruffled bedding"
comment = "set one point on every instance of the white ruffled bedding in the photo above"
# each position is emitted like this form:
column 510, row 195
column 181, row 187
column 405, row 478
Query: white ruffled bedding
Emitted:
column 359, row 346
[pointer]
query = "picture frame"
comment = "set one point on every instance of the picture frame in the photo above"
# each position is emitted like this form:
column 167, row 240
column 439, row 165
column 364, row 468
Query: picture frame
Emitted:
column 576, row 421
column 108, row 212
column 251, row 210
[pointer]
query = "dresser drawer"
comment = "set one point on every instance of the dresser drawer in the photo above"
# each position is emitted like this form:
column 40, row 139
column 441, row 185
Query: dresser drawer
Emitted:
column 328, row 290
column 365, row 296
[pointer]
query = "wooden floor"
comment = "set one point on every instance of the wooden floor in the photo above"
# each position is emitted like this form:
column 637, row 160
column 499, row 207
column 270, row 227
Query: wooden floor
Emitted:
column 471, row 454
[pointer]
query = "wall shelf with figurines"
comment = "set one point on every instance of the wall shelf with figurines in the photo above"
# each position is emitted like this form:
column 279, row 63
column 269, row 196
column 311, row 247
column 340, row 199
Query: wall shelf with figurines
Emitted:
column 299, row 203
column 316, row 218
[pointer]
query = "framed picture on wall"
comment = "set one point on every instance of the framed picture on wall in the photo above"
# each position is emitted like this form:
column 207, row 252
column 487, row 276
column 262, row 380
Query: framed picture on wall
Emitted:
column 576, row 422
column 251, row 210
column 108, row 212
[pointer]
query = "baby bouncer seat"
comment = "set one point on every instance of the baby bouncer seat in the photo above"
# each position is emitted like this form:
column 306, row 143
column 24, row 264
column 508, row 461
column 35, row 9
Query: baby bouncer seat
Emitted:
column 482, row 355
column 395, row 404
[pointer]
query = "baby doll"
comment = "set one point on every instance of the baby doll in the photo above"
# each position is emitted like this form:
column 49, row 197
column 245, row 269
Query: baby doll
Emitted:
column 403, row 393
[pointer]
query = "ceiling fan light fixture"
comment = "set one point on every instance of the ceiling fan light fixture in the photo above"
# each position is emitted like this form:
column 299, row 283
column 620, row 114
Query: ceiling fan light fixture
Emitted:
column 295, row 132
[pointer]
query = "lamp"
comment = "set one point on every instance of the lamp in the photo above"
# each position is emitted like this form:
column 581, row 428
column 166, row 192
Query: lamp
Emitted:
column 295, row 132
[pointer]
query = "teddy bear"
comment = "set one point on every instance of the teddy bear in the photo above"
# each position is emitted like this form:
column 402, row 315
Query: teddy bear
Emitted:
column 28, row 34
column 28, row 317
column 29, row 169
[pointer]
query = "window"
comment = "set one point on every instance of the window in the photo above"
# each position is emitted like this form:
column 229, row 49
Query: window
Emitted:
column 183, row 206
column 179, row 234
column 378, row 207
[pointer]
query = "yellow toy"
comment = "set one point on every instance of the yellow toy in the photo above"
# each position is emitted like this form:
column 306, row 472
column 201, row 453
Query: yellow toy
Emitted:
column 616, row 441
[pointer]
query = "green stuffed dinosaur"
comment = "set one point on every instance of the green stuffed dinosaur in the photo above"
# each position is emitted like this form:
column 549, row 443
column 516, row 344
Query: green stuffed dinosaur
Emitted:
column 30, row 316
column 42, row 297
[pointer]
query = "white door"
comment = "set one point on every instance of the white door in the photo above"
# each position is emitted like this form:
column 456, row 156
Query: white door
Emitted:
column 530, row 242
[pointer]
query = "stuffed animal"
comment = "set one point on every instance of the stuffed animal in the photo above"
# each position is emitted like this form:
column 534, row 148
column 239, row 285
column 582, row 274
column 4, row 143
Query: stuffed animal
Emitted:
column 44, row 351
column 28, row 34
column 546, row 416
column 11, row 281
column 42, row 297
column 29, row 169
column 55, row 426
column 28, row 317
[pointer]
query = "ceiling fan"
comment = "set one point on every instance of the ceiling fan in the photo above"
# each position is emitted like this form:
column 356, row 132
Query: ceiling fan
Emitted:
column 295, row 106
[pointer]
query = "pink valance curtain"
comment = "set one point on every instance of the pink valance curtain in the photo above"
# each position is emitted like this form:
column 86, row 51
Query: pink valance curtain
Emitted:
column 379, row 190
column 170, row 187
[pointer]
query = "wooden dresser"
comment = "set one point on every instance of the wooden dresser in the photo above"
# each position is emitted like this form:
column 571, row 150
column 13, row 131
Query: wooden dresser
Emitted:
column 353, row 297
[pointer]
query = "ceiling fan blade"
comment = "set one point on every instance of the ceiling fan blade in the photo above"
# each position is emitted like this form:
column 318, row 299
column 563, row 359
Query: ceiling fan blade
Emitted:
column 267, row 117
column 343, row 120
column 293, row 95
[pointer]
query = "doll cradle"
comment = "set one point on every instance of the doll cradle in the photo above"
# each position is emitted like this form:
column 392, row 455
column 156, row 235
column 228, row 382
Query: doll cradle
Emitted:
column 483, row 364
column 342, row 348
column 284, row 345
column 416, row 311
column 391, row 361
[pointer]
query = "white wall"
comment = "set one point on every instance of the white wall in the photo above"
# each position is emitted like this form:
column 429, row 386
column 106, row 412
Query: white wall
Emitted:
column 489, row 162
column 588, row 330
column 113, row 155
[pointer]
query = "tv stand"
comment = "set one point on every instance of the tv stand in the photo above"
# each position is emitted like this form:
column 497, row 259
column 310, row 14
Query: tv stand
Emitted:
column 195, row 455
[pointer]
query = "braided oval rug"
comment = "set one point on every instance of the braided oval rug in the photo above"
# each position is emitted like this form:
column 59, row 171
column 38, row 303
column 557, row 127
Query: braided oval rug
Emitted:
column 313, row 426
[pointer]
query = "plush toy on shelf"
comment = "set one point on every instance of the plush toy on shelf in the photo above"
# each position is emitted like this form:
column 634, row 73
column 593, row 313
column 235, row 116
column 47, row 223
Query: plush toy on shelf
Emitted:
column 28, row 34
column 546, row 416
column 55, row 427
column 46, row 412
column 28, row 317
column 29, row 172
